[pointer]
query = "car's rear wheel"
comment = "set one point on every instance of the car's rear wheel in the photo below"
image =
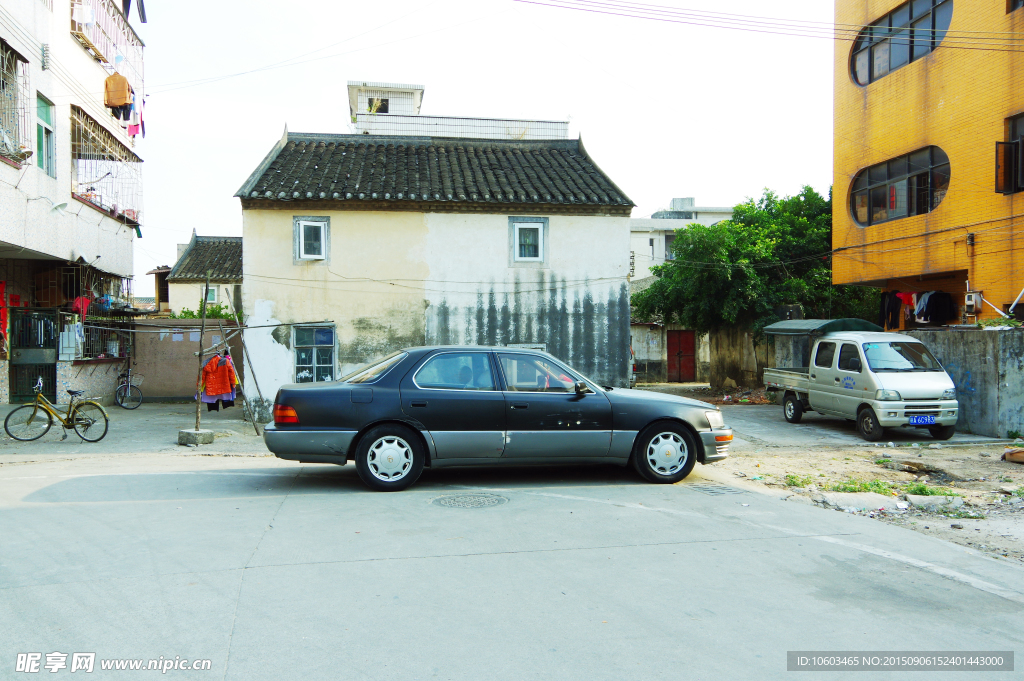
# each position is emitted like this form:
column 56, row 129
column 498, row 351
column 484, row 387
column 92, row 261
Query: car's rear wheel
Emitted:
column 868, row 426
column 665, row 453
column 389, row 458
column 942, row 432
column 792, row 408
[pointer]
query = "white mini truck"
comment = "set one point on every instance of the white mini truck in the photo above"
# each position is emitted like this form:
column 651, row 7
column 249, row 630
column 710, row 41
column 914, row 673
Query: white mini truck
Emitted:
column 862, row 373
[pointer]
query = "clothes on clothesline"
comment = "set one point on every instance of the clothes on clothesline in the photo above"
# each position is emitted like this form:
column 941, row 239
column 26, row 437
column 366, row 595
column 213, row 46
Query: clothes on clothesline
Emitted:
column 116, row 91
column 219, row 381
column 889, row 311
column 935, row 308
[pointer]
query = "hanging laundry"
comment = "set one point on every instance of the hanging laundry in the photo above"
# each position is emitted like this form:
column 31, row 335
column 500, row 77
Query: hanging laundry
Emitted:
column 83, row 14
column 219, row 381
column 889, row 310
column 116, row 91
column 80, row 305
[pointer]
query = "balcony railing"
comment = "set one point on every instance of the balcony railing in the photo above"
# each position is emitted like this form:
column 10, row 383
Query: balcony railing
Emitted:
column 104, row 172
column 105, row 33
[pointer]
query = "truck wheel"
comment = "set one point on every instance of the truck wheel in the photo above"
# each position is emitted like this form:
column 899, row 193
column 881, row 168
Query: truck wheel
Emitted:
column 792, row 408
column 942, row 432
column 868, row 426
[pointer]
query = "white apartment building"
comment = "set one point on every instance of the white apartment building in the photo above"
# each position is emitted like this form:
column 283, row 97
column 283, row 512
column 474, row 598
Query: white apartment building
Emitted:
column 394, row 109
column 651, row 238
column 70, row 194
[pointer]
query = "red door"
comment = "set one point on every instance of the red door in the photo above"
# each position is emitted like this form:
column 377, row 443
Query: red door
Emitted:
column 682, row 360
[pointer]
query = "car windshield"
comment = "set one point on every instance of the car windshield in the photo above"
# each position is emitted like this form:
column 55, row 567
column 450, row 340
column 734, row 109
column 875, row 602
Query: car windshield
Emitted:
column 374, row 370
column 900, row 357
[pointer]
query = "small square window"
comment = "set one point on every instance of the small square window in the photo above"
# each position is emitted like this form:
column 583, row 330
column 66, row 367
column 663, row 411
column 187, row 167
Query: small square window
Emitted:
column 211, row 294
column 529, row 240
column 311, row 240
column 377, row 105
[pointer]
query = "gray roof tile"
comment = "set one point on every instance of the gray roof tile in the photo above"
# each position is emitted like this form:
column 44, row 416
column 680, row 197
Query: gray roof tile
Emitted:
column 221, row 255
column 430, row 169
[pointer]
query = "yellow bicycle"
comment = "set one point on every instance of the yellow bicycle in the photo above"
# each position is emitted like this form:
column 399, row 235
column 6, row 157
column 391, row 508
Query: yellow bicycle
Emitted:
column 32, row 421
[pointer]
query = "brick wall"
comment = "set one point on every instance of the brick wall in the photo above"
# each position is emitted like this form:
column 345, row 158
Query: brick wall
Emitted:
column 958, row 100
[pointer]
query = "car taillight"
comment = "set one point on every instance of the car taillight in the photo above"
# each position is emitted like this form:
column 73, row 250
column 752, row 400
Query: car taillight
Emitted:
column 283, row 414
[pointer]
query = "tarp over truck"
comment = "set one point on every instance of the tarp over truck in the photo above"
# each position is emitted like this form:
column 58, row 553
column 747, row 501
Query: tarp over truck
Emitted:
column 818, row 327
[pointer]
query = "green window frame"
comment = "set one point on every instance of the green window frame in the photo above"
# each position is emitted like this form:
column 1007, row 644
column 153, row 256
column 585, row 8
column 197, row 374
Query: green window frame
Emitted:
column 314, row 353
column 45, row 138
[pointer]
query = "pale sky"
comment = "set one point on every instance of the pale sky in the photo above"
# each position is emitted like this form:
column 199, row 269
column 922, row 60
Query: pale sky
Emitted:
column 664, row 109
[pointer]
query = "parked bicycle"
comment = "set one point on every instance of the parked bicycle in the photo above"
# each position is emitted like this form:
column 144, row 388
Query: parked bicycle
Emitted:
column 32, row 421
column 129, row 394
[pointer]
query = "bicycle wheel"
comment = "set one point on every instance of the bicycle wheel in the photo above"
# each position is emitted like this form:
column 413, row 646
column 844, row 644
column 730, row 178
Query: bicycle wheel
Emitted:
column 90, row 421
column 128, row 396
column 28, row 423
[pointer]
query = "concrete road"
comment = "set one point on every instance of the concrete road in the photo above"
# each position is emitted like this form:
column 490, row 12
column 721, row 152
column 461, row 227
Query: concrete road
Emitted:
column 274, row 570
column 765, row 425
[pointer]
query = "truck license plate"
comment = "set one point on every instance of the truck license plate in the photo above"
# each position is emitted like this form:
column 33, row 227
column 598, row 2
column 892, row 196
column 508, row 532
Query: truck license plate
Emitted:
column 922, row 420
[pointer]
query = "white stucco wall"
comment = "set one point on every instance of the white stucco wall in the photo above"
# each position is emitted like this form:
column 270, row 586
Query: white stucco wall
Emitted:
column 74, row 78
column 395, row 279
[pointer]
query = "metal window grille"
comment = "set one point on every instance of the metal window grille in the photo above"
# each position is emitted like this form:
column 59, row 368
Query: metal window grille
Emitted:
column 15, row 124
column 33, row 329
column 104, row 172
column 110, row 39
column 314, row 354
column 24, row 377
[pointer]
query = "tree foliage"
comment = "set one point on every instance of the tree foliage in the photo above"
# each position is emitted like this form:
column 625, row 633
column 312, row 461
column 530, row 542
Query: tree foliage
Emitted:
column 773, row 252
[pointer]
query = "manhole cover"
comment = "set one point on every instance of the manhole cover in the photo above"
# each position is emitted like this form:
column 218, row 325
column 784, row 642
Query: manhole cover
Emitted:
column 470, row 500
column 715, row 489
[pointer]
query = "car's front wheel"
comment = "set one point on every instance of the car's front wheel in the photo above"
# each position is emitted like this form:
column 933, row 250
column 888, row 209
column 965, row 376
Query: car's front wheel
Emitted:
column 942, row 432
column 868, row 426
column 389, row 458
column 665, row 452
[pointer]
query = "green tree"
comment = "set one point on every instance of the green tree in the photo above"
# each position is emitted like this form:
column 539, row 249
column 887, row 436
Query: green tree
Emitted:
column 773, row 252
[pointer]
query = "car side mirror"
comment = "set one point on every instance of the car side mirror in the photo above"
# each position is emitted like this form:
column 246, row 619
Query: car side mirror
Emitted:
column 855, row 364
column 581, row 388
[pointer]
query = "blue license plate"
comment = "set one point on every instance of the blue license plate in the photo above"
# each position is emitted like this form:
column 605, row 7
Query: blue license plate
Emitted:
column 922, row 420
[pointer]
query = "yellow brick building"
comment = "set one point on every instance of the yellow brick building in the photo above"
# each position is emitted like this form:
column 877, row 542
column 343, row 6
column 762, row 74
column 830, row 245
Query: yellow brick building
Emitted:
column 922, row 96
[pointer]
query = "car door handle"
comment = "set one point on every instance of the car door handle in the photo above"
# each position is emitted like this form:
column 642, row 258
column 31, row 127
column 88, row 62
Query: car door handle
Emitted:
column 520, row 405
column 814, row 375
column 418, row 403
column 837, row 379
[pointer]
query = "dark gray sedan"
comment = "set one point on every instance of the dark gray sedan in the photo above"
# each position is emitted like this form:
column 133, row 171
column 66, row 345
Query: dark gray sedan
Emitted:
column 472, row 406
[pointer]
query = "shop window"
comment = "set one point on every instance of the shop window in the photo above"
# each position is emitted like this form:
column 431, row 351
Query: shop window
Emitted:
column 912, row 184
column 909, row 32
column 314, row 354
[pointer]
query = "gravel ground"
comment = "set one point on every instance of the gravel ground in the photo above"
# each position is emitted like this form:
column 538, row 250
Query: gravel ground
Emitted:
column 990, row 520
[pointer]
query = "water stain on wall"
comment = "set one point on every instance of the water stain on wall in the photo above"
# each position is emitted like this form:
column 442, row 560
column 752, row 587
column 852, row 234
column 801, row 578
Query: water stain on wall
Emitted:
column 592, row 335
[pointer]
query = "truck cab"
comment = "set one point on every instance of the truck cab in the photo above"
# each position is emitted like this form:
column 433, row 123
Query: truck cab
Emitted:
column 877, row 379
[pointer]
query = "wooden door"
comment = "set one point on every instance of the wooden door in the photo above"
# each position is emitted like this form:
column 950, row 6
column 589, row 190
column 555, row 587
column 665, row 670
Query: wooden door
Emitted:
column 682, row 359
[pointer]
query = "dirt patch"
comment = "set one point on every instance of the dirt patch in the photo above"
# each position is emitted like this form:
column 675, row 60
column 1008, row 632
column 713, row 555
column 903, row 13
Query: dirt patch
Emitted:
column 714, row 395
column 991, row 518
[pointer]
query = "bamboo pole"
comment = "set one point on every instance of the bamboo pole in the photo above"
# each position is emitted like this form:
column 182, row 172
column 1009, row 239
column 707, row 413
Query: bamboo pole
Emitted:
column 245, row 353
column 245, row 400
column 202, row 332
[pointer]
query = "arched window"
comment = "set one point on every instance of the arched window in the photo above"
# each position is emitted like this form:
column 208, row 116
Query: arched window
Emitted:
column 912, row 184
column 905, row 34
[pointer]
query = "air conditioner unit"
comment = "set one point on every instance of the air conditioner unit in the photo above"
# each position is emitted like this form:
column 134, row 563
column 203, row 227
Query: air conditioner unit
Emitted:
column 972, row 302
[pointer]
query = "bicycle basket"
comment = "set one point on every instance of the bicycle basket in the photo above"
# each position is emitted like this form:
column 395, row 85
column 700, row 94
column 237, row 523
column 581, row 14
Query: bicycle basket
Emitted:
column 137, row 379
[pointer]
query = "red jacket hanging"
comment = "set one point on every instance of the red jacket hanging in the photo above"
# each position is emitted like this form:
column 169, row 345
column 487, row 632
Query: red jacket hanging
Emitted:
column 218, row 377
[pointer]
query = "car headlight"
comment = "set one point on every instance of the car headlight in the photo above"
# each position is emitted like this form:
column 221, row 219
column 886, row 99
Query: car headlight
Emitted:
column 715, row 419
column 949, row 394
column 887, row 395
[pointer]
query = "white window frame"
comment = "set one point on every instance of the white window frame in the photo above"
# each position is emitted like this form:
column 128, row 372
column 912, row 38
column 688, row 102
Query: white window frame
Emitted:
column 539, row 226
column 211, row 293
column 302, row 240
